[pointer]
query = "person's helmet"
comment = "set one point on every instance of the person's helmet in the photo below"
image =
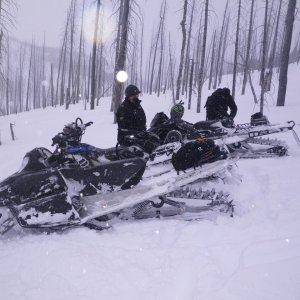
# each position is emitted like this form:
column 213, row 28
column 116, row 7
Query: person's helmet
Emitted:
column 217, row 92
column 177, row 111
column 226, row 91
column 132, row 90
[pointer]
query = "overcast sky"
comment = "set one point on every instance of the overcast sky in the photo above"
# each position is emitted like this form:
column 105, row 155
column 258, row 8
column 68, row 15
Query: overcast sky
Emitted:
column 34, row 17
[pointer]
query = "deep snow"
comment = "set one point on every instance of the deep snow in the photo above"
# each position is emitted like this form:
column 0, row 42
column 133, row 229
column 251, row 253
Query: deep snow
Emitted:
column 254, row 255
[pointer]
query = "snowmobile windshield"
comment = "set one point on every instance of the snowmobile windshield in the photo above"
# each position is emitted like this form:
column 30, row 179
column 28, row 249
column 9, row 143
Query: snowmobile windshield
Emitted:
column 35, row 160
column 24, row 164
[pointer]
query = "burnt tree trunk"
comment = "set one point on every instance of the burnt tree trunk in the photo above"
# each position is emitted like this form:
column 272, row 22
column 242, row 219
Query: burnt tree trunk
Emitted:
column 201, row 74
column 121, row 58
column 94, row 52
column 284, row 62
column 274, row 47
column 263, row 65
column 182, row 53
column 236, row 49
column 249, row 41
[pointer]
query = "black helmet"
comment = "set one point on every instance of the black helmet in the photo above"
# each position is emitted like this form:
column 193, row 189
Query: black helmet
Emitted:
column 131, row 90
column 218, row 91
column 177, row 111
column 226, row 91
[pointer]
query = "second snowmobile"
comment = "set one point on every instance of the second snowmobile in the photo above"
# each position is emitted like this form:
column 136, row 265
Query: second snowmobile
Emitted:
column 244, row 140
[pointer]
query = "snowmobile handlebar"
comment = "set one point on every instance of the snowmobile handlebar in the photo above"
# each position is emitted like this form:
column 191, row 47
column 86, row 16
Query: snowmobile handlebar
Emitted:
column 88, row 124
column 292, row 124
column 79, row 123
column 71, row 134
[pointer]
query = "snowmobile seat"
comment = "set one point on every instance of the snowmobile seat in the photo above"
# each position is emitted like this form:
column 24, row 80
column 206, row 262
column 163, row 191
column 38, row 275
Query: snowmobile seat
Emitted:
column 159, row 119
column 122, row 152
column 205, row 125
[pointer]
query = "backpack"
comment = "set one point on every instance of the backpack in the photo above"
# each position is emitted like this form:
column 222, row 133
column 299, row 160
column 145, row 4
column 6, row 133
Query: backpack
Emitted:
column 196, row 153
column 258, row 119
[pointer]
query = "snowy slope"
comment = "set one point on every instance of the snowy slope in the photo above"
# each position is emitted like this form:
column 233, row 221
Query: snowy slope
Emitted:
column 254, row 255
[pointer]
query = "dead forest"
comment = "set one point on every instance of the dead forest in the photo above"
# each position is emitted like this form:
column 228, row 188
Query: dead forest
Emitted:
column 249, row 36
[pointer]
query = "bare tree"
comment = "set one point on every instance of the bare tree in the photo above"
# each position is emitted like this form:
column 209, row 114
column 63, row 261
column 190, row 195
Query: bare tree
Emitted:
column 191, row 84
column 171, row 70
column 8, row 89
column 117, row 48
column 212, row 62
column 263, row 65
column 141, row 55
column 285, row 55
column 157, row 38
column 80, row 53
column 52, row 85
column 43, row 76
column 94, row 52
column 249, row 41
column 29, row 77
column 160, row 67
column 201, row 75
column 70, row 75
column 183, row 46
column 274, row 47
column 121, row 57
column 221, row 42
column 223, row 51
column 236, row 48
column 298, row 49
column 188, row 50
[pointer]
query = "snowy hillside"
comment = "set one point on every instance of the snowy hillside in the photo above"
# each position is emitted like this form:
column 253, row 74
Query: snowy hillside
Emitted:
column 254, row 255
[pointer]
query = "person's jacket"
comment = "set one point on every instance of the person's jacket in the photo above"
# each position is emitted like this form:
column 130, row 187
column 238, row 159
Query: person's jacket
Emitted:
column 217, row 106
column 131, row 119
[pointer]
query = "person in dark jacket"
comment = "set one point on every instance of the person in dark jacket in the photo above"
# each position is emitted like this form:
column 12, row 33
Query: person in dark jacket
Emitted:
column 131, row 117
column 131, row 121
column 217, row 105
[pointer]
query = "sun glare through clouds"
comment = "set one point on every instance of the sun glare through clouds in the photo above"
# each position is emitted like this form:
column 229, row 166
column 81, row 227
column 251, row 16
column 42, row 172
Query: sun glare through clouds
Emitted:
column 107, row 25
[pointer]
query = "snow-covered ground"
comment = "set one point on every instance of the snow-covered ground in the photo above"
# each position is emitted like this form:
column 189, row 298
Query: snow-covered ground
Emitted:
column 254, row 255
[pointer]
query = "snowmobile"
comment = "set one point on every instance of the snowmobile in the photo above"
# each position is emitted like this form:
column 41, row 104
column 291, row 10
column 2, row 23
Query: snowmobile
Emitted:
column 79, row 184
column 244, row 140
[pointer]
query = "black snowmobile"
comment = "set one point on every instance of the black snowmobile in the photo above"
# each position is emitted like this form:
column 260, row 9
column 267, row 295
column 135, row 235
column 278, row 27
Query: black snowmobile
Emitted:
column 53, row 183
column 79, row 184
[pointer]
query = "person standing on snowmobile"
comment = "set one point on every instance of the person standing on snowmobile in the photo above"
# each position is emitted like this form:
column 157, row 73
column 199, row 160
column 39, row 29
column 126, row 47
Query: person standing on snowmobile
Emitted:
column 131, row 119
column 217, row 106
